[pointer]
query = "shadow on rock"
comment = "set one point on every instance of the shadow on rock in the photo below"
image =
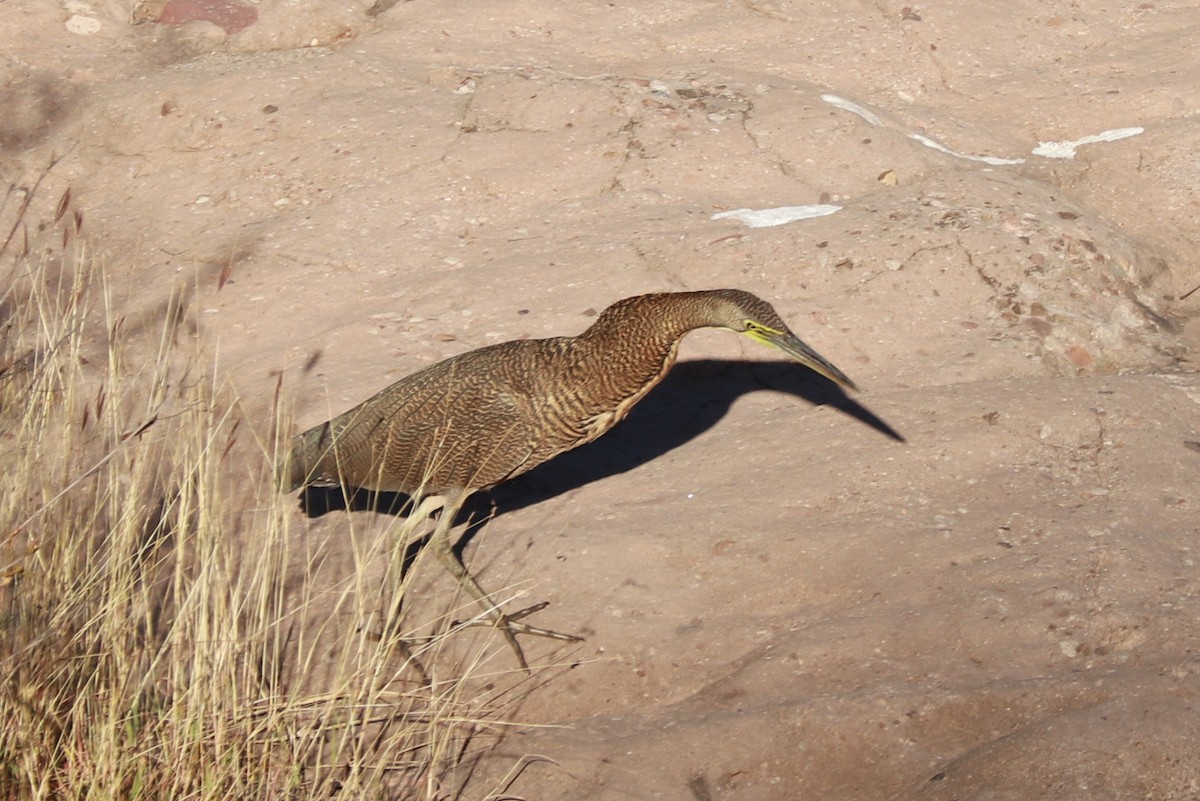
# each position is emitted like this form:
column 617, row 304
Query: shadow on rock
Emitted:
column 692, row 398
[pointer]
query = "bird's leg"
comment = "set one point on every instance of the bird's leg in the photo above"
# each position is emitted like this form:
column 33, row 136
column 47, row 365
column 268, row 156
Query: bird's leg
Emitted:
column 427, row 505
column 508, row 624
column 419, row 509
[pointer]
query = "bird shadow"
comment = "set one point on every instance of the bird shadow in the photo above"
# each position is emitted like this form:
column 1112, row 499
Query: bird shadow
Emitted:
column 691, row 399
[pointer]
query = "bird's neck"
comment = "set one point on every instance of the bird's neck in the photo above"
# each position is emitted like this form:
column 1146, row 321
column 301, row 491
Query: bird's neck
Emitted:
column 635, row 340
column 653, row 324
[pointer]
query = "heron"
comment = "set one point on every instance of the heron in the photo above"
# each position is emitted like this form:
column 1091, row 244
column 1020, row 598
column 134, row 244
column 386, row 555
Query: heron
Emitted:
column 483, row 417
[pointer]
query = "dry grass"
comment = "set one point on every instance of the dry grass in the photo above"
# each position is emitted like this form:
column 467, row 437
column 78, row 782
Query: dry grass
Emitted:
column 146, row 649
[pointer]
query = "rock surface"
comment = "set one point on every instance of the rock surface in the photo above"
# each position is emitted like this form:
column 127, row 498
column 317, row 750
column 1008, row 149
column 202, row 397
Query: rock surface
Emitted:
column 781, row 600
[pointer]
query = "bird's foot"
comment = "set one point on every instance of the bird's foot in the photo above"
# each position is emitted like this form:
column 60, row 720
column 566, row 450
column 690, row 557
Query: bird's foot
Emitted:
column 510, row 626
column 409, row 657
column 512, row 621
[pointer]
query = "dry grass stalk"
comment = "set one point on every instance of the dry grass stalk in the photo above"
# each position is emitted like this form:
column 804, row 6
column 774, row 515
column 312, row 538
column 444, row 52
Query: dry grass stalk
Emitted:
column 146, row 651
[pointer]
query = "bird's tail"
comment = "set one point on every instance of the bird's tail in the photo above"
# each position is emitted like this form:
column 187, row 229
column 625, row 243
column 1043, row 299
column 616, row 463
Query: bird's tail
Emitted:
column 304, row 459
column 295, row 465
column 290, row 470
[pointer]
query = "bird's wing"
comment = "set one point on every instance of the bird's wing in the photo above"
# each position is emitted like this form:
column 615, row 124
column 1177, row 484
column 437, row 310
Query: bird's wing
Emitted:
column 459, row 424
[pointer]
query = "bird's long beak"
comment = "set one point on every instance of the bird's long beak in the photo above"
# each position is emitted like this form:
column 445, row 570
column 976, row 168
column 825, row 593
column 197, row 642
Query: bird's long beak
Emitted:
column 793, row 346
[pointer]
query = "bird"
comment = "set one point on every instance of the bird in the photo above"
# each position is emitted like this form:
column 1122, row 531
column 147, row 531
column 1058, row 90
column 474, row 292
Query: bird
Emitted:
column 486, row 416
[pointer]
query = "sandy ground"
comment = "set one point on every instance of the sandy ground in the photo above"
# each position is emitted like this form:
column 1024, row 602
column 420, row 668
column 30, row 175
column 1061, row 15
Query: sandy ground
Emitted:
column 781, row 599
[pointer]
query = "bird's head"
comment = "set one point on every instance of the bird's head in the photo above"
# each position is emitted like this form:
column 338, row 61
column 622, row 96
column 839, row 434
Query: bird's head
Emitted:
column 748, row 314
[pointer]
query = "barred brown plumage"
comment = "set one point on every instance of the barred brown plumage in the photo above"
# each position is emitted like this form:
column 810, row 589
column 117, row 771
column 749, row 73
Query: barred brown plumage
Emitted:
column 483, row 417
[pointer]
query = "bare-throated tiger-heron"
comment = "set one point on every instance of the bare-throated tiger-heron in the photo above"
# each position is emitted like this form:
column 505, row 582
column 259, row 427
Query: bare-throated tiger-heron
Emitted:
column 480, row 418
